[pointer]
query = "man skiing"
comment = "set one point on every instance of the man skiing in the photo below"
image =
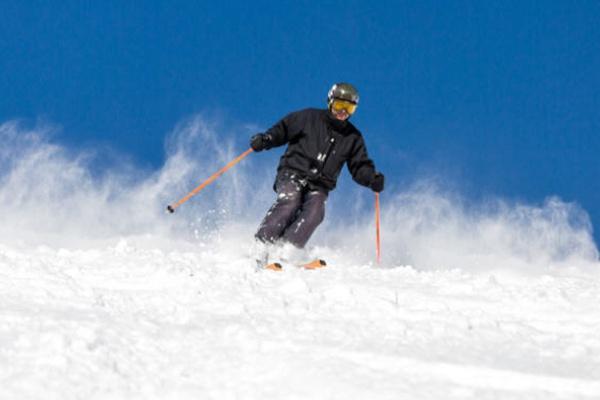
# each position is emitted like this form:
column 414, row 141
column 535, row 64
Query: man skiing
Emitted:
column 319, row 143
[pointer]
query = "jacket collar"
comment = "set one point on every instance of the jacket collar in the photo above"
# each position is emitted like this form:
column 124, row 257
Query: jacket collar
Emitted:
column 342, row 127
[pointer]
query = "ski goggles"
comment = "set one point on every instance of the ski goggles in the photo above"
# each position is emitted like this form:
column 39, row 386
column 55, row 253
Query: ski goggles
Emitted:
column 339, row 105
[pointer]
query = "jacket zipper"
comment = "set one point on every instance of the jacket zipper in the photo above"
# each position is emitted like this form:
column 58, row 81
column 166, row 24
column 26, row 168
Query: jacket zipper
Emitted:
column 322, row 157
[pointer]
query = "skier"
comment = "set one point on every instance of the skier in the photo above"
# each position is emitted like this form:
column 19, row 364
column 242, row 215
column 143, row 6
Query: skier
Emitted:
column 319, row 143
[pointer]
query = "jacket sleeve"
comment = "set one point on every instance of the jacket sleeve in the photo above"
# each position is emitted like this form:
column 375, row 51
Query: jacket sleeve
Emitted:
column 361, row 167
column 285, row 130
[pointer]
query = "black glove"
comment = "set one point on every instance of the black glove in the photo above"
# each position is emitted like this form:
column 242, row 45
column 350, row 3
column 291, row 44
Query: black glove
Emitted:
column 260, row 142
column 377, row 182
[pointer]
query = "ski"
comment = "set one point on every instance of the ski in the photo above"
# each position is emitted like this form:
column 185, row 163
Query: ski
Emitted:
column 274, row 267
column 315, row 264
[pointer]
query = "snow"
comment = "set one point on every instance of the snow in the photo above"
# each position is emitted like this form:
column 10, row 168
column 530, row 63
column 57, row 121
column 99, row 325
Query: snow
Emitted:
column 133, row 322
column 104, row 296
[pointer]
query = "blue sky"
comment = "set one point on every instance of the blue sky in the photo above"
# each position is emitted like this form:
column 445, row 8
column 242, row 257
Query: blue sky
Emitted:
column 500, row 98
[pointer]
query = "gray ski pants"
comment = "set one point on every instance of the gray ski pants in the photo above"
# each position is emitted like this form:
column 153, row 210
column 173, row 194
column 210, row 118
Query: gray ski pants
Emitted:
column 295, row 214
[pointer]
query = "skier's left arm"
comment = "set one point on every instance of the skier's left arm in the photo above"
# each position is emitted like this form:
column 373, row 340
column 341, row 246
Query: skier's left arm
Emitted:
column 362, row 168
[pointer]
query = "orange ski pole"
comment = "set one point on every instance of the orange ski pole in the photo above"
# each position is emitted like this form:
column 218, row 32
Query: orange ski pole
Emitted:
column 171, row 207
column 377, row 229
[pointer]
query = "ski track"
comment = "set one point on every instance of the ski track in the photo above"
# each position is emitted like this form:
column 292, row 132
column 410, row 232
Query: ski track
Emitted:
column 131, row 322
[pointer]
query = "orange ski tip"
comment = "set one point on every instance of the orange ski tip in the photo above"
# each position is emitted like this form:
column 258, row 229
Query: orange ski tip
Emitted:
column 315, row 264
column 274, row 267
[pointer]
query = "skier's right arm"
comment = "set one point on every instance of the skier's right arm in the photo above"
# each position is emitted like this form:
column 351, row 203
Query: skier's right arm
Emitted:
column 279, row 134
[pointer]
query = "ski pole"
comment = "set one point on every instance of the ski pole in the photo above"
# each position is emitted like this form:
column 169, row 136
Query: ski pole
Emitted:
column 377, row 226
column 171, row 207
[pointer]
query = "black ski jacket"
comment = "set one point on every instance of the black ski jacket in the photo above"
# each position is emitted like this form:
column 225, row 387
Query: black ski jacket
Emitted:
column 318, row 147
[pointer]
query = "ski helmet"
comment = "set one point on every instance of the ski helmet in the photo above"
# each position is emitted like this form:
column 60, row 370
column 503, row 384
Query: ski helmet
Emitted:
column 342, row 91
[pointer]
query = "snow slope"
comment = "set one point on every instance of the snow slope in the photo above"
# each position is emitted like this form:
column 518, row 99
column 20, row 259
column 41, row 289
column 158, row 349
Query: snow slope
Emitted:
column 103, row 296
column 127, row 321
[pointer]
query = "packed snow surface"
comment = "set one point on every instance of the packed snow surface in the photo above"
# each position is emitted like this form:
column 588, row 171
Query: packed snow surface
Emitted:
column 104, row 296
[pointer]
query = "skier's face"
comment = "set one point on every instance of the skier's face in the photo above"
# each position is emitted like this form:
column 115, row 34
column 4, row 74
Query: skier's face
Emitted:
column 342, row 109
column 341, row 115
